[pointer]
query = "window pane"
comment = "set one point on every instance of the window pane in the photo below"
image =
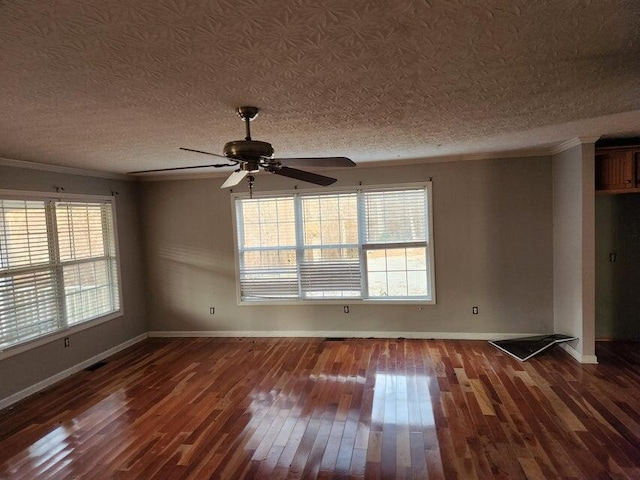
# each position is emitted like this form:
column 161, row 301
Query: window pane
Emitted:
column 269, row 258
column 417, row 283
column 87, row 290
column 378, row 284
column 377, row 260
column 269, row 234
column 416, row 259
column 266, row 222
column 397, row 282
column 396, row 260
column 330, row 219
column 389, row 274
column 312, row 235
column 330, row 232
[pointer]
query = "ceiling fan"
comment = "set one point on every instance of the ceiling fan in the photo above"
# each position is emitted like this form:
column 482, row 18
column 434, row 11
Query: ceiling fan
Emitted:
column 252, row 155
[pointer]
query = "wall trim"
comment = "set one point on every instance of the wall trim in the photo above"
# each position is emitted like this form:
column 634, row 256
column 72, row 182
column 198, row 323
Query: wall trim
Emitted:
column 573, row 142
column 45, row 167
column 47, row 382
column 589, row 359
column 339, row 333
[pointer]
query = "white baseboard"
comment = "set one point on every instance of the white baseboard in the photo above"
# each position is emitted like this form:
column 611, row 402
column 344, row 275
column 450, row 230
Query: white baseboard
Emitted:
column 16, row 397
column 592, row 359
column 340, row 334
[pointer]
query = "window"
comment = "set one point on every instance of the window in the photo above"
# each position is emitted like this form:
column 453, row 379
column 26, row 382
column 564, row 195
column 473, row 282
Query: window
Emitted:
column 58, row 265
column 365, row 244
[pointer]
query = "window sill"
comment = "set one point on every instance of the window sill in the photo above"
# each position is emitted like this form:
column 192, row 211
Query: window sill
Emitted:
column 52, row 337
column 345, row 301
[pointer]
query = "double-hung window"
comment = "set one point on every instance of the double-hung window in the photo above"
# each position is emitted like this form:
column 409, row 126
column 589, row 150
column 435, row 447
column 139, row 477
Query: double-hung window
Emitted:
column 359, row 244
column 58, row 264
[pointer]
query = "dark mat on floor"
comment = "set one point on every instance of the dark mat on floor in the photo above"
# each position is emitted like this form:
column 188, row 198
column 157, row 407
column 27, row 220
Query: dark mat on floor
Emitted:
column 527, row 347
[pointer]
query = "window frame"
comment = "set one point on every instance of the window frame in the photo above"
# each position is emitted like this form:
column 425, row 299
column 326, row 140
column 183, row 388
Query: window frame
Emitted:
column 430, row 248
column 68, row 329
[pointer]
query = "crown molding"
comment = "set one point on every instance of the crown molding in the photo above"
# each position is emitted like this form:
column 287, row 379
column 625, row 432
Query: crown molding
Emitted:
column 45, row 167
column 464, row 157
column 523, row 153
column 573, row 142
column 530, row 152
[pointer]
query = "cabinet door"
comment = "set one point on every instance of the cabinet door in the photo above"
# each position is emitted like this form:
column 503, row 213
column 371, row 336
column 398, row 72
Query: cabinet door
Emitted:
column 615, row 170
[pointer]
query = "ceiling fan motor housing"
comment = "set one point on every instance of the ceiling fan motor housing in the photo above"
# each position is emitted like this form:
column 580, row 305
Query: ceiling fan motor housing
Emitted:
column 248, row 150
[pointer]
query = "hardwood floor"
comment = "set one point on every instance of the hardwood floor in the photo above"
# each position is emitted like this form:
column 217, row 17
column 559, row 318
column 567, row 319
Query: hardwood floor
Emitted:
column 307, row 408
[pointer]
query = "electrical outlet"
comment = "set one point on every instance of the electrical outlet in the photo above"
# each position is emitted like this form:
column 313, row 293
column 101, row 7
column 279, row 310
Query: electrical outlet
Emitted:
column 66, row 342
column 612, row 257
column 474, row 310
column 212, row 310
column 346, row 309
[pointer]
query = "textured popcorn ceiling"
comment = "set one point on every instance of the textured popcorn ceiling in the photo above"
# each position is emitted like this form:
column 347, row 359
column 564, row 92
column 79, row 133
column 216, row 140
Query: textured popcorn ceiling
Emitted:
column 119, row 85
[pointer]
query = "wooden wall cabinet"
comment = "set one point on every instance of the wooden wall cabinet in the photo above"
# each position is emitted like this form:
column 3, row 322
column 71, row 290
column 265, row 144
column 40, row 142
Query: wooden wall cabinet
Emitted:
column 618, row 170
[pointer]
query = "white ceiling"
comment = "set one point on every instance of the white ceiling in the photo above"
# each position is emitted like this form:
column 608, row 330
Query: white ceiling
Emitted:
column 119, row 85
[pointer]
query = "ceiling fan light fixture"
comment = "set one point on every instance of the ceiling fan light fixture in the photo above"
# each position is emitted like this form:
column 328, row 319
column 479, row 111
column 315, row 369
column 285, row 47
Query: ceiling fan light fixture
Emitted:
column 251, row 166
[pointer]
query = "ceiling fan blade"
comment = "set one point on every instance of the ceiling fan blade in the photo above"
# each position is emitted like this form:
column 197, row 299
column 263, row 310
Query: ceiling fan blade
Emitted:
column 234, row 179
column 217, row 165
column 316, row 162
column 304, row 176
column 206, row 153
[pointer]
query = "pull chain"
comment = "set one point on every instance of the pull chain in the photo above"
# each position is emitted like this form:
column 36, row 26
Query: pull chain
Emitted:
column 251, row 179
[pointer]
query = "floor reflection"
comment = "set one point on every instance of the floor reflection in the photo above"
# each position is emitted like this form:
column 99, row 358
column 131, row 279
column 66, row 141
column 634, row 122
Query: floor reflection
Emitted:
column 402, row 400
column 201, row 408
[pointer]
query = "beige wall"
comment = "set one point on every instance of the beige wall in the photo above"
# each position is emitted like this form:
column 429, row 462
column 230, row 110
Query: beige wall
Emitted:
column 574, row 246
column 513, row 236
column 493, row 241
column 26, row 369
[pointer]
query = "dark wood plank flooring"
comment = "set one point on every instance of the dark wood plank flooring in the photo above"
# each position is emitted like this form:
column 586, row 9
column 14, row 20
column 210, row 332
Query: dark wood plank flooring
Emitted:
column 307, row 408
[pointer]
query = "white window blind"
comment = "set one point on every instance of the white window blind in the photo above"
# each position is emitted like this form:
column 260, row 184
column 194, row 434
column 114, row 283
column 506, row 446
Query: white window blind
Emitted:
column 29, row 301
column 58, row 266
column 395, row 243
column 268, row 248
column 360, row 244
column 395, row 216
column 330, row 263
column 87, row 256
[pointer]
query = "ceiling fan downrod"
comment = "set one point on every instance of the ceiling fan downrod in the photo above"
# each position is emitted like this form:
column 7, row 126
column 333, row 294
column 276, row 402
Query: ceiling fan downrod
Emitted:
column 247, row 114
